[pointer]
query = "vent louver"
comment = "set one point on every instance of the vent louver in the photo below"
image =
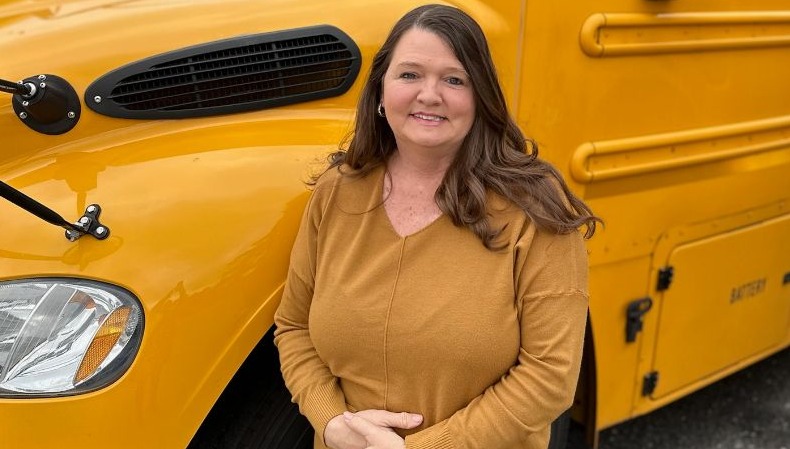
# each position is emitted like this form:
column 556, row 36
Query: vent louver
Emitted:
column 234, row 75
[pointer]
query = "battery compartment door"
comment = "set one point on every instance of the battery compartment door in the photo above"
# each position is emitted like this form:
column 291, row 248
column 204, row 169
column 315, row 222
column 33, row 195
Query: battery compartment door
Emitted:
column 729, row 299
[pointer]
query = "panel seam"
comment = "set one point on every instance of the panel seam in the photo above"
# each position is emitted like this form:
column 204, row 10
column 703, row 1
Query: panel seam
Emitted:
column 387, row 321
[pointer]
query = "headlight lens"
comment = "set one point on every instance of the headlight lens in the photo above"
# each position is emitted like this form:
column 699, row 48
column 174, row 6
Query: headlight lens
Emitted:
column 65, row 336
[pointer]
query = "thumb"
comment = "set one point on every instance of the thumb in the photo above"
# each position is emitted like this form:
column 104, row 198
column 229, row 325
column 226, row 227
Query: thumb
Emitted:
column 359, row 424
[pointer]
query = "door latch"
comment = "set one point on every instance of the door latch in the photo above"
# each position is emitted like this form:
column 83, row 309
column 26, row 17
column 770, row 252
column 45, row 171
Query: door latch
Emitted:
column 636, row 310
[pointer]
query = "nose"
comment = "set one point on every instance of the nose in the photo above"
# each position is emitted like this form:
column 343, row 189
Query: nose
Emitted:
column 430, row 93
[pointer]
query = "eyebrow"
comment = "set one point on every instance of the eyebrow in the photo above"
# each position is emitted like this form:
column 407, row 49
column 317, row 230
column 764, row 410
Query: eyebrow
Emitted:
column 408, row 64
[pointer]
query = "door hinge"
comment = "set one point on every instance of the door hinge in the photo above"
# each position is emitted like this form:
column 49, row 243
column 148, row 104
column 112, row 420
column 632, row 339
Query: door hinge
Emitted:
column 633, row 323
column 649, row 383
column 665, row 278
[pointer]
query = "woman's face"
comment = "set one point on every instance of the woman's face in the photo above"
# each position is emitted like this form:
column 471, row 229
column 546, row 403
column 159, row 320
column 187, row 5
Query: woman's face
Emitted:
column 427, row 95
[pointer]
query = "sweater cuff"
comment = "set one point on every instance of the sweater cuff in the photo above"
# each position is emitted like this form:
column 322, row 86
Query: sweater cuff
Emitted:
column 324, row 403
column 434, row 437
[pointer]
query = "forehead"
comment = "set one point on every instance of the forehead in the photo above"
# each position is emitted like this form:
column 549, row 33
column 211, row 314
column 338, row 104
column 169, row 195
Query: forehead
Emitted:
column 419, row 46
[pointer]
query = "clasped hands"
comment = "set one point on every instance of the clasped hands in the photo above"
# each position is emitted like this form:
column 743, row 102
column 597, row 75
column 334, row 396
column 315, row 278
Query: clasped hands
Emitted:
column 369, row 429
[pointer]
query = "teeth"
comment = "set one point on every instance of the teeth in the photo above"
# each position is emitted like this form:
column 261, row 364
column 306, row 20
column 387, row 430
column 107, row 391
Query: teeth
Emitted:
column 433, row 118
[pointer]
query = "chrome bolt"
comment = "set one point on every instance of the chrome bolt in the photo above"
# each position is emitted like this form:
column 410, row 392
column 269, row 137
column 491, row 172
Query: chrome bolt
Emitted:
column 23, row 115
column 100, row 230
column 71, row 114
column 43, row 85
column 97, row 99
column 42, row 77
column 25, row 103
column 84, row 220
column 91, row 209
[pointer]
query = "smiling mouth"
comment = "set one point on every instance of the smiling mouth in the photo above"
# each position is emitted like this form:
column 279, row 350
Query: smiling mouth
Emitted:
column 429, row 117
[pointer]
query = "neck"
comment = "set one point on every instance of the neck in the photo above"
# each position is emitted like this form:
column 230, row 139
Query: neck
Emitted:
column 420, row 164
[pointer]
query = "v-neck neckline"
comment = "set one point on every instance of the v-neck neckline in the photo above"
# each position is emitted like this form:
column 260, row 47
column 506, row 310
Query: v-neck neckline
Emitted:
column 379, row 195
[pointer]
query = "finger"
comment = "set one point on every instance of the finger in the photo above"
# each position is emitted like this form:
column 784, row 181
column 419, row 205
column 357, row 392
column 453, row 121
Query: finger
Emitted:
column 337, row 434
column 402, row 420
column 361, row 425
column 406, row 420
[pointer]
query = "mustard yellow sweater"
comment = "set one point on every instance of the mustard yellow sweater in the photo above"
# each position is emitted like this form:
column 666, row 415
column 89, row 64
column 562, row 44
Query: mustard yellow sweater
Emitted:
column 486, row 345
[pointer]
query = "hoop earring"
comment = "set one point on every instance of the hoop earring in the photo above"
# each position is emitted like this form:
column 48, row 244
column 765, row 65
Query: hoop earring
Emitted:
column 380, row 110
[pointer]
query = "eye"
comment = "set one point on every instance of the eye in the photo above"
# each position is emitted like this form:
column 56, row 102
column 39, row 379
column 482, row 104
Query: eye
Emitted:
column 408, row 75
column 455, row 81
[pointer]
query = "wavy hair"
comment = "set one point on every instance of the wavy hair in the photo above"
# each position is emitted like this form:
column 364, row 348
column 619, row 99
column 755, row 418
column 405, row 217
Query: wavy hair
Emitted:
column 495, row 155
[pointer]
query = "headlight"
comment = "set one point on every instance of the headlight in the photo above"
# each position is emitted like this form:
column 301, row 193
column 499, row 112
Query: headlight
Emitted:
column 65, row 336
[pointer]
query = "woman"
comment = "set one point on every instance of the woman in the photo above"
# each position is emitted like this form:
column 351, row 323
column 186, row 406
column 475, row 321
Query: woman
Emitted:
column 437, row 292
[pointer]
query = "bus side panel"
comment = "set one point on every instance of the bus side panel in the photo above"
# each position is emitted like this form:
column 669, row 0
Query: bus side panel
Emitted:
column 662, row 115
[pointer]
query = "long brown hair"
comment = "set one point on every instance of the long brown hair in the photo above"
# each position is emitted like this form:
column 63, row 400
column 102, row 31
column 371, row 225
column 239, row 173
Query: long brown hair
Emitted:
column 495, row 156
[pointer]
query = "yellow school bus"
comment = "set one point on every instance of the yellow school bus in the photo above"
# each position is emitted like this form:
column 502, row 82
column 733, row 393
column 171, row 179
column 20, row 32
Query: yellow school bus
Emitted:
column 153, row 157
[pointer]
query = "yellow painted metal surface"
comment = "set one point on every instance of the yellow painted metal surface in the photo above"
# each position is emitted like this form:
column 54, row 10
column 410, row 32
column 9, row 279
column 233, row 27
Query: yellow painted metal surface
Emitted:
column 663, row 115
column 620, row 34
column 670, row 118
column 734, row 307
column 202, row 211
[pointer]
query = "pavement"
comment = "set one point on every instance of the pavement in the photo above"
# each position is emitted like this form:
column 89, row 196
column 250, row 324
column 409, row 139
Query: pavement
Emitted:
column 748, row 410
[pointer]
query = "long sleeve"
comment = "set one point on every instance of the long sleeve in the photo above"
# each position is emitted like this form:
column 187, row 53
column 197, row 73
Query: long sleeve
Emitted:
column 552, row 306
column 312, row 385
column 486, row 345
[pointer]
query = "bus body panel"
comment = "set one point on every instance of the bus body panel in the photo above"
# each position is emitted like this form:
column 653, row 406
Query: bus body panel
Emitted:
column 670, row 119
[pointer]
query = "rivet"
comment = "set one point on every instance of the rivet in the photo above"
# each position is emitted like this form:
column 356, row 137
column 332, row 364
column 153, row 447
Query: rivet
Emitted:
column 42, row 77
column 84, row 220
column 91, row 208
column 100, row 230
column 42, row 85
column 23, row 115
column 25, row 103
column 97, row 99
column 71, row 114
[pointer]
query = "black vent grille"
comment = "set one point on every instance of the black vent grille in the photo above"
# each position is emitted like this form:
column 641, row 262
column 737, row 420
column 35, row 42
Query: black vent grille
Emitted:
column 235, row 75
